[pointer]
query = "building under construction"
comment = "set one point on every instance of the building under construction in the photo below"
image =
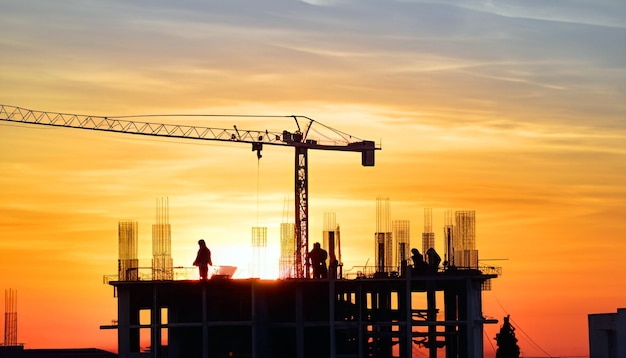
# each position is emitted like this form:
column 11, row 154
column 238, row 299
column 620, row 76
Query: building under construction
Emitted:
column 361, row 317
column 380, row 311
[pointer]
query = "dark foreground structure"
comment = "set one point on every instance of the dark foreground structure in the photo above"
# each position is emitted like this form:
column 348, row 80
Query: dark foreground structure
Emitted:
column 19, row 352
column 302, row 318
column 607, row 334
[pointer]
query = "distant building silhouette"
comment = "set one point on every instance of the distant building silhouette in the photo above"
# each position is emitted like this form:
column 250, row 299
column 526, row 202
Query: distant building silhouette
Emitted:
column 607, row 334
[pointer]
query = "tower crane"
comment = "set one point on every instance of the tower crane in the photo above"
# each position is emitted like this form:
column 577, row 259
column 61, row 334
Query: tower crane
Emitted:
column 298, row 139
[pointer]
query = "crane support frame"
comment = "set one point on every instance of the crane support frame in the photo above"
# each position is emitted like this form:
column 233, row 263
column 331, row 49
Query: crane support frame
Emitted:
column 302, row 214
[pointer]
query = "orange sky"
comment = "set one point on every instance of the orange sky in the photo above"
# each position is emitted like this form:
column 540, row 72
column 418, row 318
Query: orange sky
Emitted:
column 514, row 112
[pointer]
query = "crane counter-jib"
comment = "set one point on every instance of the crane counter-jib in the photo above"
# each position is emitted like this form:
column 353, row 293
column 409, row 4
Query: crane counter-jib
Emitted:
column 257, row 138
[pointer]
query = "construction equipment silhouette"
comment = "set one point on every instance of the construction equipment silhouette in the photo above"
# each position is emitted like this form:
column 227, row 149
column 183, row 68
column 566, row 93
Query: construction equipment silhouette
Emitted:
column 298, row 139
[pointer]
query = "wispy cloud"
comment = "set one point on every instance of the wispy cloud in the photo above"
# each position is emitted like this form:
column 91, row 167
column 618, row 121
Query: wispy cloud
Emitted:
column 429, row 53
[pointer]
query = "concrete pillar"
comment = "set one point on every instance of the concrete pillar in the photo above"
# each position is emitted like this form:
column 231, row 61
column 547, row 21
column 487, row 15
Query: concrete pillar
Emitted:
column 205, row 327
column 431, row 318
column 299, row 322
column 123, row 323
column 450, row 297
column 155, row 324
column 406, row 306
column 474, row 318
column 332, row 299
column 128, row 314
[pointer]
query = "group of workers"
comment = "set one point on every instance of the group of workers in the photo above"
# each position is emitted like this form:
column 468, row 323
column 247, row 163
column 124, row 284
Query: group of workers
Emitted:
column 431, row 265
column 317, row 259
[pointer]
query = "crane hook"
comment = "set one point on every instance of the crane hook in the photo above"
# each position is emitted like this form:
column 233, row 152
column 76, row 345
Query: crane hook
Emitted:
column 258, row 147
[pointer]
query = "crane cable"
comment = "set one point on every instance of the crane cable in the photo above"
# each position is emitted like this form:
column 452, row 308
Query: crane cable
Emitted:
column 489, row 340
column 517, row 326
column 258, row 187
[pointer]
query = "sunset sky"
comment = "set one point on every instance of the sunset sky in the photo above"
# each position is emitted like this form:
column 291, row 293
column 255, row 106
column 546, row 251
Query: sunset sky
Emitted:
column 514, row 109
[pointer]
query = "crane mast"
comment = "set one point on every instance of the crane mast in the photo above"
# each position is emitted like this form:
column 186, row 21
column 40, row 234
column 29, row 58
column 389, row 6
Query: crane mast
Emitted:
column 257, row 138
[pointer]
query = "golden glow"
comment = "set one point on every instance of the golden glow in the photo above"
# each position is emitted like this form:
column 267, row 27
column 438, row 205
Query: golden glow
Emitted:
column 469, row 117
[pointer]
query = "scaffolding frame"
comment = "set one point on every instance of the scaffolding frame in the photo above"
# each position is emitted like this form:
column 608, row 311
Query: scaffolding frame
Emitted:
column 162, row 262
column 259, row 251
column 287, row 251
column 383, row 237
column 128, row 262
column 402, row 236
column 428, row 236
column 10, row 317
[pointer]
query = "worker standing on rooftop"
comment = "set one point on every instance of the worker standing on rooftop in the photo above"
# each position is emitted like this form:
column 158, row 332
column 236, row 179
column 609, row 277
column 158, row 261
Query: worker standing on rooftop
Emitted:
column 318, row 257
column 203, row 259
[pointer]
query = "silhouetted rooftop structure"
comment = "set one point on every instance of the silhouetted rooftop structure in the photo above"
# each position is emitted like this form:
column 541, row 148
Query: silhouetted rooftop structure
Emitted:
column 364, row 317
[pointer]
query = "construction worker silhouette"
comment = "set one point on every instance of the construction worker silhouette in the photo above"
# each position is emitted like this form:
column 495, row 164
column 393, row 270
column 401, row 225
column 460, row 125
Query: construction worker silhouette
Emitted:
column 317, row 259
column 203, row 259
column 419, row 266
column 433, row 260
